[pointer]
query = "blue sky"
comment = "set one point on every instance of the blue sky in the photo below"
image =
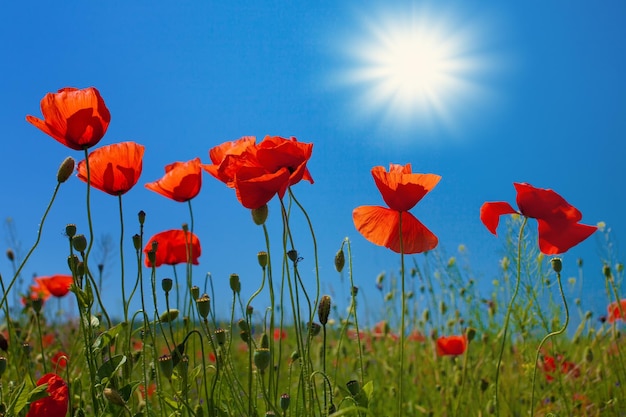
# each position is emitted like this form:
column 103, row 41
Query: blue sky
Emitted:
column 538, row 96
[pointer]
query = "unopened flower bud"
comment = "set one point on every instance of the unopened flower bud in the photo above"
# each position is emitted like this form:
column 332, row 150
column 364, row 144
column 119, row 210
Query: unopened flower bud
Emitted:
column 285, row 399
column 292, row 255
column 243, row 325
column 340, row 260
column 262, row 258
column 10, row 255
column 65, row 170
column 557, row 265
column 323, row 310
column 204, row 306
column 265, row 341
column 235, row 284
column 249, row 311
column 262, row 359
column 137, row 242
column 259, row 215
column 314, row 328
column 70, row 230
column 245, row 336
column 606, row 270
column 80, row 243
column 470, row 333
column 169, row 315
column 166, row 284
column 141, row 216
column 113, row 397
column 37, row 304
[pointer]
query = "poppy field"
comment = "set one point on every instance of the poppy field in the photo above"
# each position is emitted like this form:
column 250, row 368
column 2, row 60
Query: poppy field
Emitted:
column 443, row 348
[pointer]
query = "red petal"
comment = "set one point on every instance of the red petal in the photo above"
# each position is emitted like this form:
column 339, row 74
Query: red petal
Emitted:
column 381, row 226
column 558, row 236
column 400, row 188
column 540, row 203
column 255, row 191
column 490, row 214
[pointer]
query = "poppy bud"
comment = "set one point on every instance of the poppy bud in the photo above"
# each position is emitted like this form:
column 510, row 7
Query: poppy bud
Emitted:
column 249, row 311
column 166, row 365
column 262, row 258
column 314, row 329
column 137, row 242
column 220, row 336
column 113, row 397
column 195, row 292
column 471, row 334
column 340, row 260
column 166, row 284
column 292, row 255
column 235, row 284
column 204, row 306
column 243, row 325
column 323, row 310
column 10, row 255
column 557, row 265
column 606, row 270
column 259, row 215
column 152, row 256
column 262, row 359
column 80, row 243
column 354, row 290
column 65, row 170
column 285, row 399
column 579, row 262
column 295, row 355
column 141, row 216
column 168, row 316
column 37, row 304
column 245, row 336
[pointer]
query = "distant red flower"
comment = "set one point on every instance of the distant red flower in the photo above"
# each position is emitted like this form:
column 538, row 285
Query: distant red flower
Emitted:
column 76, row 118
column 181, row 182
column 280, row 334
column 114, row 169
column 48, row 339
column 57, row 285
column 559, row 229
column 60, row 359
column 615, row 313
column 172, row 248
column 56, row 403
column 416, row 336
column 37, row 291
column 381, row 330
column 550, row 365
column 151, row 390
column 402, row 190
column 451, row 345
column 257, row 172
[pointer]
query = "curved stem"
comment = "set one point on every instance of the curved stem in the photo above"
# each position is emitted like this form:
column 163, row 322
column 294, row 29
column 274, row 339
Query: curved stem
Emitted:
column 546, row 337
column 518, row 279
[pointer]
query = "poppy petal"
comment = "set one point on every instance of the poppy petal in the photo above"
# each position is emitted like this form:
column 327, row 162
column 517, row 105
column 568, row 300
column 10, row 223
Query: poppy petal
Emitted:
column 558, row 236
column 401, row 189
column 381, row 226
column 254, row 191
column 540, row 203
column 490, row 213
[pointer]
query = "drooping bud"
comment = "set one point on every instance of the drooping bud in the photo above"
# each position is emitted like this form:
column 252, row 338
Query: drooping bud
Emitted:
column 169, row 315
column 259, row 215
column 80, row 243
column 340, row 260
column 235, row 284
column 66, row 169
column 323, row 310
column 243, row 325
column 166, row 284
column 113, row 397
column 204, row 306
column 557, row 265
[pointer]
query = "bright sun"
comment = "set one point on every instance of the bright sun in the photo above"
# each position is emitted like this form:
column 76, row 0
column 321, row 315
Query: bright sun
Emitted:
column 414, row 69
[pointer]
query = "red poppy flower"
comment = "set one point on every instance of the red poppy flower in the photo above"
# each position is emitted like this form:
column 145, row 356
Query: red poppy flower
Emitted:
column 172, row 248
column 451, row 345
column 57, row 285
column 402, row 190
column 280, row 334
column 550, row 365
column 55, row 404
column 37, row 291
column 76, row 118
column 115, row 168
column 260, row 171
column 559, row 229
column 615, row 313
column 60, row 359
column 181, row 182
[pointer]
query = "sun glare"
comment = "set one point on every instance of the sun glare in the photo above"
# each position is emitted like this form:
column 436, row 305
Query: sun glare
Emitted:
column 415, row 70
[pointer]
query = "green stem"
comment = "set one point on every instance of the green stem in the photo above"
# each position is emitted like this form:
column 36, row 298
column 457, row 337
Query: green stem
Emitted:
column 402, row 318
column 509, row 309
column 124, row 302
column 546, row 337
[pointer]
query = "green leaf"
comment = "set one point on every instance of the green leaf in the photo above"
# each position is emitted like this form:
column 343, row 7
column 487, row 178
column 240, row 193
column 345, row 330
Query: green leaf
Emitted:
column 105, row 338
column 19, row 400
column 110, row 367
column 368, row 389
